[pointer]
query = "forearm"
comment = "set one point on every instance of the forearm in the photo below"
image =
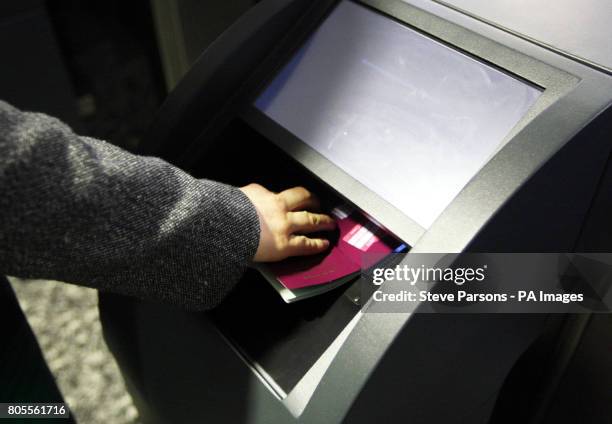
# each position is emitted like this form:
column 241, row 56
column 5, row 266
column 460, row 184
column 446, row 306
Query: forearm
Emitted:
column 83, row 211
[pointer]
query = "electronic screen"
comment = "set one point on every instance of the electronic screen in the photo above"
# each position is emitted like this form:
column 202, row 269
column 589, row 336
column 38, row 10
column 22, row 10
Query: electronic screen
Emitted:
column 410, row 118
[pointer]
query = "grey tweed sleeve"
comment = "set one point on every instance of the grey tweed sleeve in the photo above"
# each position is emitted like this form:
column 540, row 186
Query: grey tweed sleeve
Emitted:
column 80, row 210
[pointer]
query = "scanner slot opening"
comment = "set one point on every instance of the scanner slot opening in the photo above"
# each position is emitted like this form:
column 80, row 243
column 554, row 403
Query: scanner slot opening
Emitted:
column 283, row 340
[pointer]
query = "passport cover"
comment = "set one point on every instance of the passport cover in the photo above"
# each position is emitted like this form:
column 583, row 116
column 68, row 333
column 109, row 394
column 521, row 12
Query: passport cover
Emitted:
column 356, row 236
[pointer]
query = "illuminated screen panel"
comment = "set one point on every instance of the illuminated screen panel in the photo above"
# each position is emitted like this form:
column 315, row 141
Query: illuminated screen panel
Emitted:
column 410, row 118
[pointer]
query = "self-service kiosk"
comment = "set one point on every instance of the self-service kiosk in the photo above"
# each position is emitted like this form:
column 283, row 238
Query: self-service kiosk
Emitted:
column 454, row 126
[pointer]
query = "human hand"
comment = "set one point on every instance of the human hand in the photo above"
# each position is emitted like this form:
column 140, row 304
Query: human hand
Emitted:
column 284, row 220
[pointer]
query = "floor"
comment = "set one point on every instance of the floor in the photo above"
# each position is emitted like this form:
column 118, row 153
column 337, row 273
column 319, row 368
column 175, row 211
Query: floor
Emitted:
column 65, row 320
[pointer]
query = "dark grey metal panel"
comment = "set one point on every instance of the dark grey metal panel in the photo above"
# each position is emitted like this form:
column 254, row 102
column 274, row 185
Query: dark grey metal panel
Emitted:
column 578, row 28
column 583, row 393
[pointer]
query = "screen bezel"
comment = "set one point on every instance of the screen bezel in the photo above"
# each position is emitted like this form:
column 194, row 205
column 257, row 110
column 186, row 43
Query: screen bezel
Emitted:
column 551, row 81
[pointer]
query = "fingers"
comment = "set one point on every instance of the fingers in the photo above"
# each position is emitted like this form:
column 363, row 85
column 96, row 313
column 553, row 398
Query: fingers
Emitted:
column 298, row 198
column 302, row 245
column 305, row 222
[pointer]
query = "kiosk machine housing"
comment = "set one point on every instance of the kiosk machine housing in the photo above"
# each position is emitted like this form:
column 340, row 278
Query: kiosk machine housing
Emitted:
column 458, row 125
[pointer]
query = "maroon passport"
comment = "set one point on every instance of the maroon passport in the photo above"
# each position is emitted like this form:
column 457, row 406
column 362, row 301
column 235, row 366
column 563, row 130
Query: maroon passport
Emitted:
column 360, row 243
